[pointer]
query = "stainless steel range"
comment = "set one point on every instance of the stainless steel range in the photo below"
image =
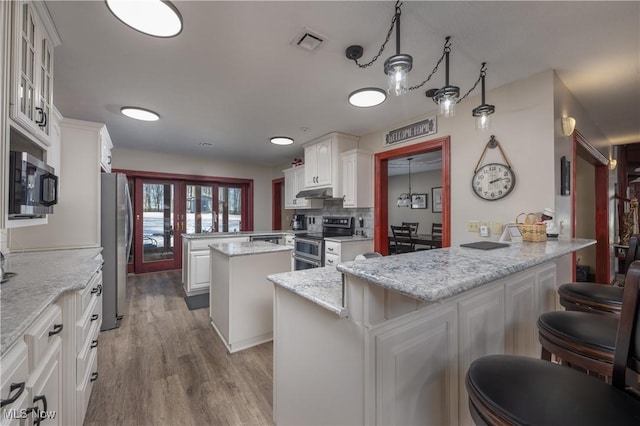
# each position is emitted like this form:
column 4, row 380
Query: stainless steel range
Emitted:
column 309, row 248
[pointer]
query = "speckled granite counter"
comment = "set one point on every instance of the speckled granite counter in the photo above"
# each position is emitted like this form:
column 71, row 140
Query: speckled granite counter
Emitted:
column 236, row 234
column 322, row 286
column 247, row 248
column 41, row 278
column 347, row 239
column 433, row 275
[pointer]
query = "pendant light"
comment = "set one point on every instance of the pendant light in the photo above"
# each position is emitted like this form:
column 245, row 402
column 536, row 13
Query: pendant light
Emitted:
column 397, row 67
column 404, row 200
column 447, row 97
column 483, row 112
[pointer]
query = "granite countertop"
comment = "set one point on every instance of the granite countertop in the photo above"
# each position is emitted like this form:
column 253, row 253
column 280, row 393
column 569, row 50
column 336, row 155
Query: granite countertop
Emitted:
column 237, row 234
column 322, row 286
column 247, row 248
column 347, row 239
column 41, row 278
column 433, row 275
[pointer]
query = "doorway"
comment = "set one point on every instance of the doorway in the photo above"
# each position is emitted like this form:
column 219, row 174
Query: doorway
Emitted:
column 381, row 187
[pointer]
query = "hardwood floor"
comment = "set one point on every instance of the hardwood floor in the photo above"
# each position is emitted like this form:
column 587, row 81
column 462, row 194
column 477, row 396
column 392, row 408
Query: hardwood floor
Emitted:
column 165, row 365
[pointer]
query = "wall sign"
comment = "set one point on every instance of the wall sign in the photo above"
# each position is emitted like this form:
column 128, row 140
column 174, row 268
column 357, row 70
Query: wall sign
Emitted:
column 421, row 128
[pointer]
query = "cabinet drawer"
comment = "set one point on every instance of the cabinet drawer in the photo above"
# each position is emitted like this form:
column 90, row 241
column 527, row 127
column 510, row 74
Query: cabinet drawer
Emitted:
column 332, row 247
column 331, row 259
column 290, row 240
column 14, row 369
column 94, row 288
column 39, row 336
column 86, row 323
column 83, row 390
column 86, row 353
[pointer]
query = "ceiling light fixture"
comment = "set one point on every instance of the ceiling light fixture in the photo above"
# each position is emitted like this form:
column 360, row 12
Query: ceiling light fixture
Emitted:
column 367, row 97
column 612, row 163
column 397, row 67
column 404, row 200
column 139, row 113
column 152, row 17
column 447, row 97
column 568, row 125
column 483, row 112
column 281, row 140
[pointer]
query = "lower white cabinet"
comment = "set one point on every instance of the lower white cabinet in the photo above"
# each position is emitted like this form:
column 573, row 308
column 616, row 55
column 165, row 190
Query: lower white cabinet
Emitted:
column 336, row 250
column 13, row 384
column 45, row 386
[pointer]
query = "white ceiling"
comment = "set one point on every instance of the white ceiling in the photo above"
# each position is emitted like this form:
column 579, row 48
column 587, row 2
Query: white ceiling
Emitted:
column 233, row 78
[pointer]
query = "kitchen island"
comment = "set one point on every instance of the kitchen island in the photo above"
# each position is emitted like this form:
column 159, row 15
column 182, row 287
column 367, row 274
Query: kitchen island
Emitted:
column 395, row 347
column 240, row 301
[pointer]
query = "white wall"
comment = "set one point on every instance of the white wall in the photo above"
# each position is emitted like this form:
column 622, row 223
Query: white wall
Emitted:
column 421, row 183
column 523, row 124
column 129, row 159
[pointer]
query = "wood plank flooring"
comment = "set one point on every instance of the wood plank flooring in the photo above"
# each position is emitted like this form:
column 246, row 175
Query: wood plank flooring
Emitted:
column 165, row 365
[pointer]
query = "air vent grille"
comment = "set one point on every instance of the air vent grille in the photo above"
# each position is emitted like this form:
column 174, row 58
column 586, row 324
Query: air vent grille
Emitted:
column 309, row 40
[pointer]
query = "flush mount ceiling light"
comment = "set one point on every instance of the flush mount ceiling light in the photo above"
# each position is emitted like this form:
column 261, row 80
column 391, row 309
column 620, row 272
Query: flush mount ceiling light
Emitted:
column 281, row 140
column 367, row 97
column 483, row 112
column 152, row 17
column 139, row 113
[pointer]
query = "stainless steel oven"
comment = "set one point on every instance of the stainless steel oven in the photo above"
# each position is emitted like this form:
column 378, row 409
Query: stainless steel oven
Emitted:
column 300, row 263
column 309, row 247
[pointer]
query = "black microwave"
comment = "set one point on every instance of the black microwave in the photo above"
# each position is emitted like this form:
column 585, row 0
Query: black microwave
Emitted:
column 33, row 187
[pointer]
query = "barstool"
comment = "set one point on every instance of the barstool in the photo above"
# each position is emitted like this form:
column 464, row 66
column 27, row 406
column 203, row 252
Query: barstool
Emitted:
column 513, row 390
column 597, row 298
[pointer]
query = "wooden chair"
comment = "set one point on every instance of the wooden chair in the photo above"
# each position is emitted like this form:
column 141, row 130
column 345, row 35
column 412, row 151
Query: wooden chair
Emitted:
column 514, row 390
column 436, row 231
column 413, row 226
column 598, row 298
column 403, row 239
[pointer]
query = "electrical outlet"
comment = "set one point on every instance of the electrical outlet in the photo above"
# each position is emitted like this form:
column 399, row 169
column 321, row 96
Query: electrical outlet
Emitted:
column 473, row 226
column 484, row 223
column 484, row 231
column 496, row 228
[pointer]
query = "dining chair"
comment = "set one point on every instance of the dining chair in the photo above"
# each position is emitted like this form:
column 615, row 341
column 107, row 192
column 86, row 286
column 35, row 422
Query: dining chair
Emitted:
column 403, row 239
column 516, row 390
column 436, row 231
column 413, row 226
column 598, row 298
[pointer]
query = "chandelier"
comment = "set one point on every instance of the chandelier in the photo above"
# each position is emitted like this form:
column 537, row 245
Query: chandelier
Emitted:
column 404, row 200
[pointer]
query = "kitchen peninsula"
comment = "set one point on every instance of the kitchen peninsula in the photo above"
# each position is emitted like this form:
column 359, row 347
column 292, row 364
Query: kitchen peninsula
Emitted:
column 388, row 340
column 240, row 299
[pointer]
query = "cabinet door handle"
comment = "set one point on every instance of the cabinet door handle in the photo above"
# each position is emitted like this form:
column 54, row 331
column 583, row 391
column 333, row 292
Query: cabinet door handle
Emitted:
column 44, row 122
column 94, row 290
column 94, row 344
column 57, row 328
column 37, row 418
column 94, row 376
column 329, row 248
column 41, row 398
column 109, row 160
column 12, row 398
column 40, row 120
column 97, row 290
column 94, row 317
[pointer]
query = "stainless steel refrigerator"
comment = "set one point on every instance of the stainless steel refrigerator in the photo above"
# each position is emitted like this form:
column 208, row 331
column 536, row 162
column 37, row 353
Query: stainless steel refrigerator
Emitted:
column 116, row 234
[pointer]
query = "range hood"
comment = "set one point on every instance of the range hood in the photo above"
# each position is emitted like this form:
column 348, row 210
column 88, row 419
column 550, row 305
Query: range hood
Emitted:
column 320, row 193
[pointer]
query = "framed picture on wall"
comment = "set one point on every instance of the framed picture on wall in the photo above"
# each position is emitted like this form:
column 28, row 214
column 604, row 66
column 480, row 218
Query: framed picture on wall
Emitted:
column 436, row 199
column 418, row 201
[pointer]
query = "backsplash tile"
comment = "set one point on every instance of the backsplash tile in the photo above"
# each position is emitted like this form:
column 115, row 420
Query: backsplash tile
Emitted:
column 334, row 208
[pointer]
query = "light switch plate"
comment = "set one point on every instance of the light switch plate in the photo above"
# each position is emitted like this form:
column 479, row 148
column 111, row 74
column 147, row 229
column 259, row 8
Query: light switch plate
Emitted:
column 484, row 231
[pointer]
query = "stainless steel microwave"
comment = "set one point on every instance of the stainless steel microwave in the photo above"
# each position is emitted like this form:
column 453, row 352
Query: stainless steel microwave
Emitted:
column 33, row 187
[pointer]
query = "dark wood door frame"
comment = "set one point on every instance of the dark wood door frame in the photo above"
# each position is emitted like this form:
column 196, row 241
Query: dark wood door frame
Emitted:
column 381, row 185
column 582, row 147
column 276, row 203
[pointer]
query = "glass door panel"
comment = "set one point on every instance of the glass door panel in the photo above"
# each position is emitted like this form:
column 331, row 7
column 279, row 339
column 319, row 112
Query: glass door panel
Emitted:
column 229, row 209
column 201, row 216
column 157, row 222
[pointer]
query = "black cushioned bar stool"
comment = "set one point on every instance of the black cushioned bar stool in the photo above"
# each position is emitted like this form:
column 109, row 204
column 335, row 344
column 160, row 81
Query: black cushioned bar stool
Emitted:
column 597, row 298
column 513, row 390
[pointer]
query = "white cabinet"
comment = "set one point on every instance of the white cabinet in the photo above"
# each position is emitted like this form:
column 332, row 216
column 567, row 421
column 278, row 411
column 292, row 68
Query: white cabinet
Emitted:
column 196, row 261
column 105, row 150
column 323, row 167
column 32, row 45
column 76, row 219
column 521, row 315
column 357, row 179
column 15, row 371
column 294, row 183
column 336, row 251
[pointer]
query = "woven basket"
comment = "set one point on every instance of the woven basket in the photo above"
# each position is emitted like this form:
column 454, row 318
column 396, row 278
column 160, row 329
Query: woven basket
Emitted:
column 530, row 230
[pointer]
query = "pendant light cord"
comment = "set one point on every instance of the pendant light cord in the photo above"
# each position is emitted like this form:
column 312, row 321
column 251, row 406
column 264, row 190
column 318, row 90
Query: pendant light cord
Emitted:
column 483, row 72
column 446, row 49
column 393, row 24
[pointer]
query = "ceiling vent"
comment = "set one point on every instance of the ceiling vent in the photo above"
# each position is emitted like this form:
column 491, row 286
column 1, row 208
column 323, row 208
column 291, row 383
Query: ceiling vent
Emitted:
column 309, row 40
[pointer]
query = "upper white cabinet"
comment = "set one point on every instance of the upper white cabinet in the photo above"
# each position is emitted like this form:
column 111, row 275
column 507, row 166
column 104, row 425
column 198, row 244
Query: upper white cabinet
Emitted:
column 357, row 179
column 322, row 161
column 105, row 150
column 294, row 183
column 34, row 38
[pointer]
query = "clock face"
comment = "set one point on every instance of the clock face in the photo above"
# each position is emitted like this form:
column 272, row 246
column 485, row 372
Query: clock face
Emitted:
column 493, row 181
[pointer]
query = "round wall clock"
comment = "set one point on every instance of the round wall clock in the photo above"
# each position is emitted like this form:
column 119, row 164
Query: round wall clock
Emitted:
column 493, row 181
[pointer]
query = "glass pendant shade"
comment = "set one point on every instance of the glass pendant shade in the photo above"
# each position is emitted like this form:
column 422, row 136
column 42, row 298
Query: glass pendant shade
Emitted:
column 483, row 116
column 446, row 98
column 397, row 68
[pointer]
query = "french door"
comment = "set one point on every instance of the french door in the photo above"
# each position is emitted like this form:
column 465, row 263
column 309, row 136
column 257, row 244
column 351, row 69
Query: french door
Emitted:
column 167, row 208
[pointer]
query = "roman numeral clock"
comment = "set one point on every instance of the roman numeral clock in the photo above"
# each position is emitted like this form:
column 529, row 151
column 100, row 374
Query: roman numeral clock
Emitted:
column 493, row 181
